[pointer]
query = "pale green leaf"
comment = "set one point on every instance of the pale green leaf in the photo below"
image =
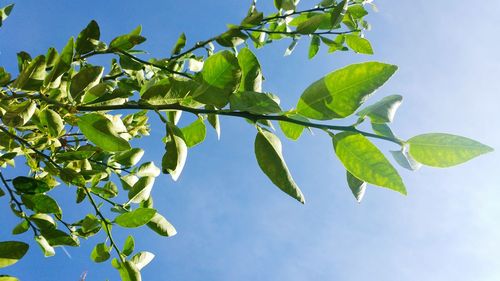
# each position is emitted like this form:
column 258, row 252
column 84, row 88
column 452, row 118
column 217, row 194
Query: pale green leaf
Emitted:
column 141, row 190
column 340, row 93
column 48, row 251
column 128, row 247
column 445, row 150
column 382, row 111
column 135, row 218
column 31, row 77
column 160, row 225
column 357, row 186
column 194, row 133
column 99, row 130
column 142, row 259
column 358, row 44
column 176, row 152
column 365, row 161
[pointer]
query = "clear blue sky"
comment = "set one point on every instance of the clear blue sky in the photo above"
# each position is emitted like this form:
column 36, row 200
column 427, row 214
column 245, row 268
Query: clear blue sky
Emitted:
column 234, row 224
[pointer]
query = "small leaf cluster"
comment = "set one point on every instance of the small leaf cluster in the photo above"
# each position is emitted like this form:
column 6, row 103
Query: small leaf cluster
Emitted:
column 60, row 115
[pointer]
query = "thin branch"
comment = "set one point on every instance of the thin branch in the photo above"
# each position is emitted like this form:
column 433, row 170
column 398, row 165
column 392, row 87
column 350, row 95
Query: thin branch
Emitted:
column 297, row 33
column 247, row 115
column 18, row 204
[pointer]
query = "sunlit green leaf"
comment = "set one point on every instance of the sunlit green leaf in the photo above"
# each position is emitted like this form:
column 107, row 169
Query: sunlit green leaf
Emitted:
column 99, row 130
column 365, row 161
column 141, row 190
column 22, row 227
column 251, row 73
column 340, row 93
column 148, row 169
column 52, row 121
column 128, row 247
column 41, row 203
column 135, row 218
column 176, row 152
column 84, row 42
column 31, row 77
column 48, row 251
column 194, row 133
column 129, row 158
column 5, row 12
column 142, row 259
column 358, row 44
column 221, row 75
column 270, row 159
column 87, row 78
column 62, row 64
column 181, row 42
column 253, row 102
column 292, row 130
column 445, row 150
column 314, row 46
column 100, row 253
column 19, row 114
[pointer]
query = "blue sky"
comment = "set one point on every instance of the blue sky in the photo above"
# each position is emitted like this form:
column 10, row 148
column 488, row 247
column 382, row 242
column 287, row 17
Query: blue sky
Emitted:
column 234, row 224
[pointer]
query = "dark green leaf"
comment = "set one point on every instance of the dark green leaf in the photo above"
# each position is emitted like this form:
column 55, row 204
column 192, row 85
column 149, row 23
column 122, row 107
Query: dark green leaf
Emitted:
column 231, row 38
column 311, row 24
column 337, row 13
column 22, row 227
column 136, row 218
column 340, row 93
column 4, row 77
column 43, row 221
column 29, row 185
column 41, row 203
column 445, row 150
column 99, row 130
column 11, row 252
column 127, row 41
column 253, row 102
column 270, row 159
column 181, row 42
column 85, row 41
column 19, row 114
column 5, row 12
column 56, row 237
column 365, row 161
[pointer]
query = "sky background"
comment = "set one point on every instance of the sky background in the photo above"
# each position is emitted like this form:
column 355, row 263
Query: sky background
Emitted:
column 233, row 224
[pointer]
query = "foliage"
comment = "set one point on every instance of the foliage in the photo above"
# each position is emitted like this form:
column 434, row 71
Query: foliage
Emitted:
column 59, row 114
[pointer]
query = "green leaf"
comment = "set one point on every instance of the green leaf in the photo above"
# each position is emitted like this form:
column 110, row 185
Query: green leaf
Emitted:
column 99, row 130
column 311, row 24
column 365, row 161
column 314, row 46
column 357, row 186
column 253, row 102
column 31, row 77
column 48, row 251
column 251, row 73
column 41, row 203
column 148, row 169
column 231, row 38
column 52, row 121
column 160, row 225
column 252, row 19
column 168, row 91
column 62, row 64
column 194, row 133
column 127, row 41
column 176, row 153
column 4, row 77
column 19, row 114
column 128, row 247
column 181, row 42
column 383, row 129
column 96, row 93
column 270, row 159
column 5, row 12
column 358, row 44
column 100, row 253
column 22, row 227
column 142, row 259
column 340, row 93
column 136, row 218
column 221, row 76
column 128, row 158
column 291, row 47
column 43, row 221
column 404, row 159
column 84, row 42
column 382, row 111
column 11, row 252
column 291, row 130
column 141, row 190
column 445, row 150
column 29, row 185
column 337, row 13
column 84, row 80
column 56, row 237
column 129, row 272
